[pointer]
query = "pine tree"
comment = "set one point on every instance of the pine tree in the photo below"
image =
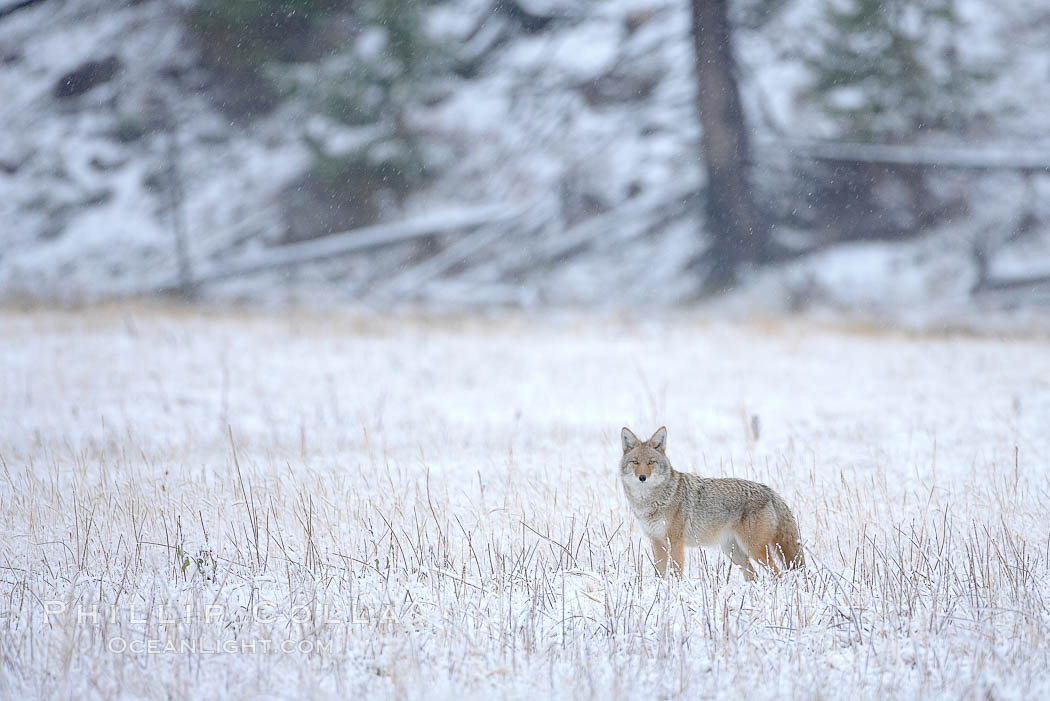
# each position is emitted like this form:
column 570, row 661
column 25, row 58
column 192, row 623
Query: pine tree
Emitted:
column 392, row 63
column 739, row 230
column 365, row 64
column 886, row 69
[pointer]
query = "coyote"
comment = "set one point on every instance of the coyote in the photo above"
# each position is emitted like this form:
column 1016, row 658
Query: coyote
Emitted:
column 678, row 509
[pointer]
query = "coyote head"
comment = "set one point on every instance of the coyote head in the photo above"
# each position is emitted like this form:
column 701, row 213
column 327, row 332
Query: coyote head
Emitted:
column 644, row 462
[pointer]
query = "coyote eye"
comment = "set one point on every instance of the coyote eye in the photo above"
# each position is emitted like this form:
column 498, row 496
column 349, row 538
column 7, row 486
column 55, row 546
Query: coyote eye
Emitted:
column 651, row 463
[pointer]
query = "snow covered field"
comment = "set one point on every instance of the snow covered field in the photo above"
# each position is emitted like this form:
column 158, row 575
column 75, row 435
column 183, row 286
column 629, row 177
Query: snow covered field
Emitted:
column 289, row 505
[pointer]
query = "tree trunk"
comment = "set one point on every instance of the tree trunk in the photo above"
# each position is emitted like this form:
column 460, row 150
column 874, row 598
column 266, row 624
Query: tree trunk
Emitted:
column 738, row 230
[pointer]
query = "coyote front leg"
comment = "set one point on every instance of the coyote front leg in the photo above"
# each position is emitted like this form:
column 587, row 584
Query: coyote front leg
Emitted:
column 678, row 555
column 673, row 548
column 660, row 553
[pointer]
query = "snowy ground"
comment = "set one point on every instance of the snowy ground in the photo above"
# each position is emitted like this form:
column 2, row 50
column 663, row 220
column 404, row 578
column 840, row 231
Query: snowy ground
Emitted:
column 428, row 508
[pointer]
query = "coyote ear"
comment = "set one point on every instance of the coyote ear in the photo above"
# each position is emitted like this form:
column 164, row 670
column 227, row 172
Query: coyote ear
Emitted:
column 629, row 439
column 659, row 439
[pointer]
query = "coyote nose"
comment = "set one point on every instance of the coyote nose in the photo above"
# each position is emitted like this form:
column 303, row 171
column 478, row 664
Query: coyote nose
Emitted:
column 641, row 478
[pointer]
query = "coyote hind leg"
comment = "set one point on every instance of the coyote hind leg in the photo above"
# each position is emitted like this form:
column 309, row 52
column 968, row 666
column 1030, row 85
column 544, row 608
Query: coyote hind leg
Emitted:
column 733, row 550
column 768, row 554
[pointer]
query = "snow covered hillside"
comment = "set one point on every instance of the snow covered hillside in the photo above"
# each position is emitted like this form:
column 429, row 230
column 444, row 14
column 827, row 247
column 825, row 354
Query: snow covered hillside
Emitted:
column 302, row 506
column 585, row 127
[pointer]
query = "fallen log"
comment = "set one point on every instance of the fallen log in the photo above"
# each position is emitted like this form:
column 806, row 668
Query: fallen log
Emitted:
column 998, row 158
column 346, row 243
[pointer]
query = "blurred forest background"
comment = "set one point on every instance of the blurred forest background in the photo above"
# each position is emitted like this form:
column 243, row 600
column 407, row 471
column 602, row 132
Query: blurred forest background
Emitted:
column 873, row 156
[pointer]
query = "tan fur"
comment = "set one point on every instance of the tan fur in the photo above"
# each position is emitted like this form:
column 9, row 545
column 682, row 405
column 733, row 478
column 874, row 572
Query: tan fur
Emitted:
column 675, row 509
column 673, row 544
